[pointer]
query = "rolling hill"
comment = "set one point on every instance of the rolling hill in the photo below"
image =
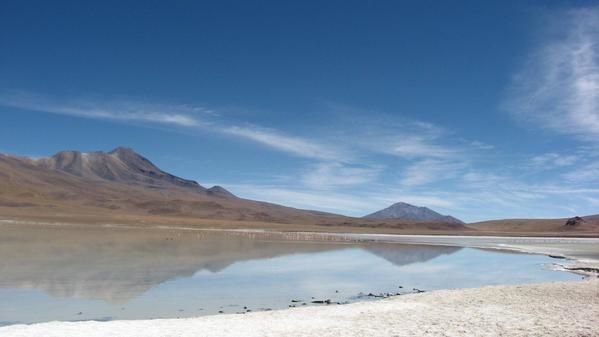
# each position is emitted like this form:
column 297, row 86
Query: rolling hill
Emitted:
column 589, row 224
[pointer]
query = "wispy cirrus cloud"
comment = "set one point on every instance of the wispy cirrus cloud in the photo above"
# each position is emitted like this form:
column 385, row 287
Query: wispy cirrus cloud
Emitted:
column 187, row 116
column 291, row 144
column 416, row 146
column 588, row 174
column 410, row 139
column 118, row 110
column 558, row 88
column 426, row 171
column 407, row 139
column 553, row 160
column 330, row 201
column 333, row 175
column 395, row 134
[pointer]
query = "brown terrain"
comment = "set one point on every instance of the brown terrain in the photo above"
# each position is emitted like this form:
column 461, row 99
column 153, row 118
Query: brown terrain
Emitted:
column 122, row 187
column 575, row 225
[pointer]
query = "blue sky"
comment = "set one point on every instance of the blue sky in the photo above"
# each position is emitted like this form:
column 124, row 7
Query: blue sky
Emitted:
column 477, row 109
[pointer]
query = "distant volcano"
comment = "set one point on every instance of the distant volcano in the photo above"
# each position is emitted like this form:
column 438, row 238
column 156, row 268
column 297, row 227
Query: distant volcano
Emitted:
column 405, row 211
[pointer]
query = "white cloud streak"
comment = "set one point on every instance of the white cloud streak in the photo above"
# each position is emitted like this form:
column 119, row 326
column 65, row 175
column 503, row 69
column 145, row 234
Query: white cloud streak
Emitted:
column 414, row 147
column 333, row 175
column 430, row 170
column 409, row 139
column 294, row 145
column 303, row 198
column 588, row 174
column 173, row 115
column 179, row 115
column 553, row 160
column 559, row 86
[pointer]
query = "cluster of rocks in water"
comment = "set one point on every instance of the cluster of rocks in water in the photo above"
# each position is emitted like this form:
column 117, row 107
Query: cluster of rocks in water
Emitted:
column 386, row 295
column 297, row 302
column 313, row 300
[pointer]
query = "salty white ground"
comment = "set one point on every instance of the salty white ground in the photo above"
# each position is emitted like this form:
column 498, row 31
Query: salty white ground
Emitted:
column 551, row 309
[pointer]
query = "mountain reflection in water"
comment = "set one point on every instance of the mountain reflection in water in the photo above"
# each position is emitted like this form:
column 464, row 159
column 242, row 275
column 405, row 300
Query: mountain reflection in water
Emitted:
column 83, row 273
column 118, row 264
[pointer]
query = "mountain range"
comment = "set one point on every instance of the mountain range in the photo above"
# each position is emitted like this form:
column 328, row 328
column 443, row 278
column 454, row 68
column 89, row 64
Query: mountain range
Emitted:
column 124, row 187
column 121, row 186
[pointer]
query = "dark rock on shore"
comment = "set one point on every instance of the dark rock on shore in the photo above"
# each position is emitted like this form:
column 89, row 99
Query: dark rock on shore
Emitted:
column 575, row 221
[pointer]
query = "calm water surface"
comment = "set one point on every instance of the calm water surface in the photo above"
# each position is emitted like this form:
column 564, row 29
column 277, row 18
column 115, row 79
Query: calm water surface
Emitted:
column 62, row 273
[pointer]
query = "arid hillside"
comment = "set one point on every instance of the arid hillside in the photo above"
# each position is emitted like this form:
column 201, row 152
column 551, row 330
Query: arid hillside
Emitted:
column 585, row 224
column 121, row 186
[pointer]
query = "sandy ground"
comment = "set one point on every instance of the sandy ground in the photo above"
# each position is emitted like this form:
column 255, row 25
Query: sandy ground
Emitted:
column 549, row 309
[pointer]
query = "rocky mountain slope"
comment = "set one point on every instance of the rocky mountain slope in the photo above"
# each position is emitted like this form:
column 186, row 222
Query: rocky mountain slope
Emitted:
column 119, row 165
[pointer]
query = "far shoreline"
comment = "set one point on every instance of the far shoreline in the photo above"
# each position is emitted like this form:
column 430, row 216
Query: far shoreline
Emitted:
column 576, row 252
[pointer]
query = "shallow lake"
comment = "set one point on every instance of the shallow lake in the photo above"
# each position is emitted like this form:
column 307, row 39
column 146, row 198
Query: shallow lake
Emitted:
column 64, row 273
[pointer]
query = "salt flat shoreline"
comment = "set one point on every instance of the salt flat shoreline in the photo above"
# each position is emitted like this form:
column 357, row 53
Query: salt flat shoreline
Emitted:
column 547, row 309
